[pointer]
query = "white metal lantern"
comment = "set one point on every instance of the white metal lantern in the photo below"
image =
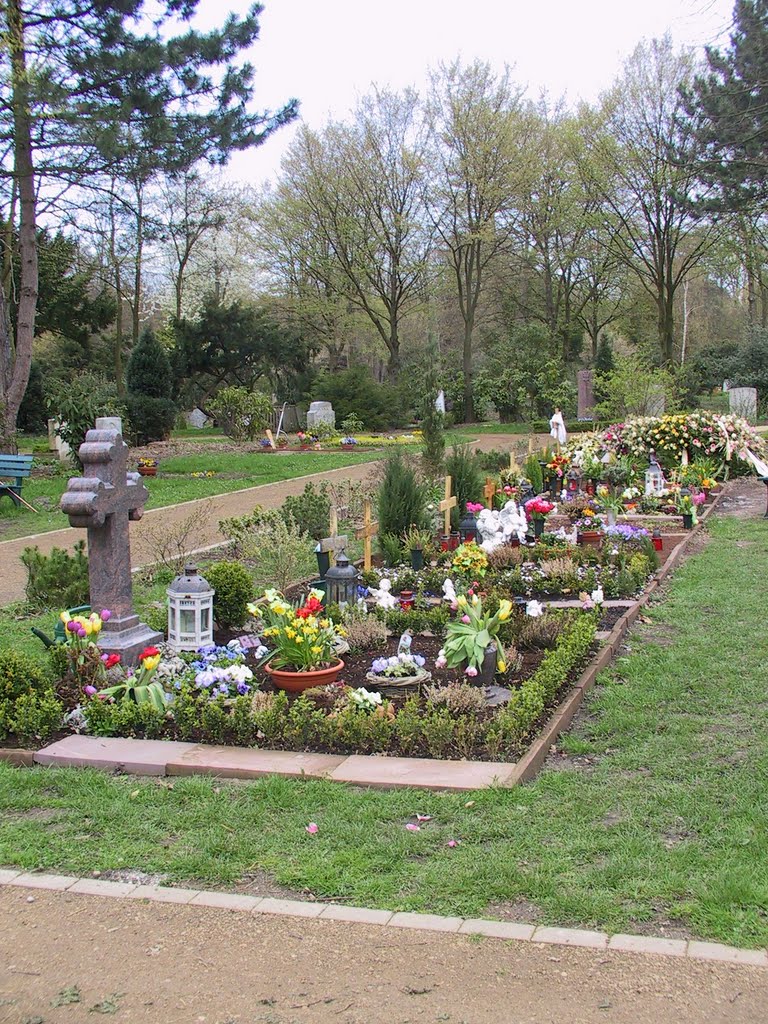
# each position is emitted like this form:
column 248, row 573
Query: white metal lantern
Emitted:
column 190, row 611
column 655, row 483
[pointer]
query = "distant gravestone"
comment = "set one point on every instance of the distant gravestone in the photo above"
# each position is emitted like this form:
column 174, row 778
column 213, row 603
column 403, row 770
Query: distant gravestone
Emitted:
column 656, row 403
column 586, row 407
column 320, row 412
column 743, row 402
column 103, row 501
column 196, row 418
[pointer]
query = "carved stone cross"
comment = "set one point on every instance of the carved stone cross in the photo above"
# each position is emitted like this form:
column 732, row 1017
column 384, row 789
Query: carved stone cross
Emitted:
column 103, row 501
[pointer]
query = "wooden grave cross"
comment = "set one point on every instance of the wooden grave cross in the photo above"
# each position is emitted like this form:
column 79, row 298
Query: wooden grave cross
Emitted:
column 369, row 529
column 270, row 438
column 489, row 491
column 335, row 542
column 449, row 501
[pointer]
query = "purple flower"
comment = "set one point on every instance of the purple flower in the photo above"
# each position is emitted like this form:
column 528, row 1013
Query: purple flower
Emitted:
column 243, row 688
column 89, row 690
column 106, row 615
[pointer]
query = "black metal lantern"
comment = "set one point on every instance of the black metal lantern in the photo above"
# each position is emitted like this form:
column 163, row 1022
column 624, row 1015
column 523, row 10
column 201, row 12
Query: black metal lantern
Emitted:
column 468, row 527
column 341, row 582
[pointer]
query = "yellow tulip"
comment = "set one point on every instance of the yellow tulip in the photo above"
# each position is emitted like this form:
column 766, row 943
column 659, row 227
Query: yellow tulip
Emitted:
column 65, row 617
column 505, row 608
column 151, row 663
column 502, row 666
column 461, row 601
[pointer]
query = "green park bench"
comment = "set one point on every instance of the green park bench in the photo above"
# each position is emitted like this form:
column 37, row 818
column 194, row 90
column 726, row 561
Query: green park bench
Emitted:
column 17, row 467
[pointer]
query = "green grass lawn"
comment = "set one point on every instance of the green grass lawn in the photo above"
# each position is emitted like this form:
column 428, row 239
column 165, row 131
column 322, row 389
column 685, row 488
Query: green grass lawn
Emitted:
column 175, row 484
column 665, row 822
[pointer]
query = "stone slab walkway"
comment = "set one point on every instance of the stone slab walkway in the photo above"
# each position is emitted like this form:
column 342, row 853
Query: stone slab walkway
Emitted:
column 73, row 948
column 167, row 757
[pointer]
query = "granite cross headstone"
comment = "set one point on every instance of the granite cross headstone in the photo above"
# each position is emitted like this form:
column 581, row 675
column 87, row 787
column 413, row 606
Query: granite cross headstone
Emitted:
column 586, row 406
column 103, row 501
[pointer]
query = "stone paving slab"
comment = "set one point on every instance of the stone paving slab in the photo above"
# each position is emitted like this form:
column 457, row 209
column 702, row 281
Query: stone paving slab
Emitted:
column 648, row 944
column 135, row 757
column 103, row 887
column 429, row 922
column 163, row 894
column 421, row 772
column 498, row 929
column 249, row 763
column 571, row 937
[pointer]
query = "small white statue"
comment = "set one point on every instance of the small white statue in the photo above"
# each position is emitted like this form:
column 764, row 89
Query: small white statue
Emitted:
column 384, row 597
column 534, row 609
column 497, row 528
column 449, row 592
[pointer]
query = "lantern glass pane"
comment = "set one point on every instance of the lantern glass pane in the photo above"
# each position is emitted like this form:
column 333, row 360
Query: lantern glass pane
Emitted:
column 205, row 619
column 187, row 620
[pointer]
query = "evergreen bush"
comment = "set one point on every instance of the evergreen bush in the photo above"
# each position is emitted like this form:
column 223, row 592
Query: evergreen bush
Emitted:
column 149, row 369
column 466, row 478
column 234, row 589
column 533, row 473
column 402, row 499
column 58, row 579
column 311, row 509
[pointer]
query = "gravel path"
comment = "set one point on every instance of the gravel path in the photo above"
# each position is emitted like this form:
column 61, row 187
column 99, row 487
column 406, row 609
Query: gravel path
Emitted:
column 206, row 512
column 164, row 964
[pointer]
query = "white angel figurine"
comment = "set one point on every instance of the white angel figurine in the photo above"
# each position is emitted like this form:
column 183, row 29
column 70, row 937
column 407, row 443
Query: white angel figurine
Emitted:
column 449, row 592
column 384, row 597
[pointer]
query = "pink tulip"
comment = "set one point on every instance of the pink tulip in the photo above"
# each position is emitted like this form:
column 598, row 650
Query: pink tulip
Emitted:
column 89, row 690
column 106, row 615
column 311, row 828
column 466, row 618
column 470, row 671
column 453, row 842
column 413, row 828
column 423, row 817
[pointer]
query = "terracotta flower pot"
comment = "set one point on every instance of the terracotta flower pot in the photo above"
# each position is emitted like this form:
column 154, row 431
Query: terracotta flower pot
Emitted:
column 297, row 682
column 147, row 470
column 590, row 538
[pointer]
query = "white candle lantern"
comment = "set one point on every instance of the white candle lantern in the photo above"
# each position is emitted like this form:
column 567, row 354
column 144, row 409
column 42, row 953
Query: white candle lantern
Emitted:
column 190, row 611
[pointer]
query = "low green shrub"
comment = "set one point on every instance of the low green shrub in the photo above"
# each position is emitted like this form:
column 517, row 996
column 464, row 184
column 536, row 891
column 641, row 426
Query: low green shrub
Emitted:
column 234, row 589
column 311, row 510
column 32, row 717
column 21, row 674
column 58, row 580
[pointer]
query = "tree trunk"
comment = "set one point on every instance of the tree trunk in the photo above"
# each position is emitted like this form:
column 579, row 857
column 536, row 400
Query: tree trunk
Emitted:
column 666, row 326
column 469, row 403
column 25, row 179
column 138, row 265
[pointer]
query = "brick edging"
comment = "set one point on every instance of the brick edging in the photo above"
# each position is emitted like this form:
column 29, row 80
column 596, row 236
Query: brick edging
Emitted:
column 505, row 930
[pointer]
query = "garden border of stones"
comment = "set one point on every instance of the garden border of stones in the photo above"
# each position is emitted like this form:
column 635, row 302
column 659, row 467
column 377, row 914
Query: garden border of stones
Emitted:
column 167, row 757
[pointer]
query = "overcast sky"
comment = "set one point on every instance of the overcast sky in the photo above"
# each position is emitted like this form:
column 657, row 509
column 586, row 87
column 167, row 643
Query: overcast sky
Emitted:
column 327, row 53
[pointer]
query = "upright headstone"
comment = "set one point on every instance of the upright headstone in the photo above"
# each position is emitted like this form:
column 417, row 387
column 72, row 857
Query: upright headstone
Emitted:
column 586, row 407
column 196, row 418
column 656, row 402
column 103, row 501
column 743, row 402
column 320, row 412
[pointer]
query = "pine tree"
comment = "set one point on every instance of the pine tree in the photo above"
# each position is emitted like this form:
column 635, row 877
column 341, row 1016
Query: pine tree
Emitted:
column 149, row 369
column 88, row 84
column 728, row 111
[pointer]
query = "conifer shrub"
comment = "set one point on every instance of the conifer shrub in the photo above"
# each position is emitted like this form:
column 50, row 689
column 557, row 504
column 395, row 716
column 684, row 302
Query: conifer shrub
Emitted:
column 402, row 498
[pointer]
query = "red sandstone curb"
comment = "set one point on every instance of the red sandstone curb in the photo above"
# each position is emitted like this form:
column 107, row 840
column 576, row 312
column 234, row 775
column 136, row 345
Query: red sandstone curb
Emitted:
column 509, row 931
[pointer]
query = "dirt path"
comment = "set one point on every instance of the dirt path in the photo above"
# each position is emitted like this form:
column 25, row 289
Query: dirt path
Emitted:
column 206, row 511
column 165, row 964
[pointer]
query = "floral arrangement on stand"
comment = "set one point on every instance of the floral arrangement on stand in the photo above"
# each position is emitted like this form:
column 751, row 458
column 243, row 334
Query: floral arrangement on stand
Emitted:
column 725, row 439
